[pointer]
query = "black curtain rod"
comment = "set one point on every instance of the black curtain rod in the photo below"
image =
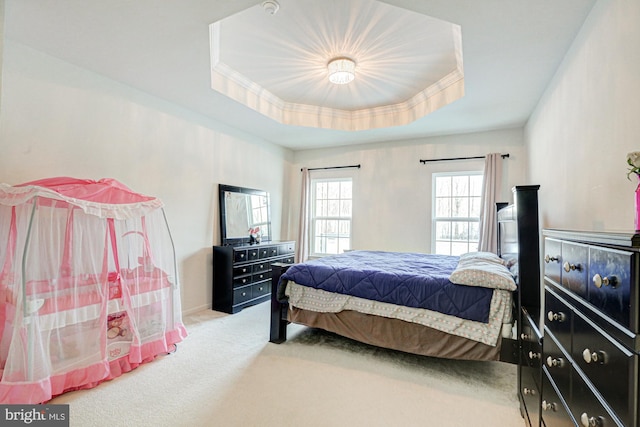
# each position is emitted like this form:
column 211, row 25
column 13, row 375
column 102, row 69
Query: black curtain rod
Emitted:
column 333, row 167
column 459, row 158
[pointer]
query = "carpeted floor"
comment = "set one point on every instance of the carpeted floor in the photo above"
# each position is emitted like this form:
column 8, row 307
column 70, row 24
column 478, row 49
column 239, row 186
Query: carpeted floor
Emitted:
column 226, row 373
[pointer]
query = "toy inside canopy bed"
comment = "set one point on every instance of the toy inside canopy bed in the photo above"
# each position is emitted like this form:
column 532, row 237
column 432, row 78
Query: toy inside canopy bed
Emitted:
column 415, row 306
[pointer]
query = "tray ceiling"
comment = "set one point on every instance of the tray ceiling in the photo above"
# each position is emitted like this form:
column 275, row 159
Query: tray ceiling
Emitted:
column 407, row 64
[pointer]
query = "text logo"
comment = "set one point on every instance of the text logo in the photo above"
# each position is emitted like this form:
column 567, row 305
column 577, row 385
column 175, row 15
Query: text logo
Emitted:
column 34, row 415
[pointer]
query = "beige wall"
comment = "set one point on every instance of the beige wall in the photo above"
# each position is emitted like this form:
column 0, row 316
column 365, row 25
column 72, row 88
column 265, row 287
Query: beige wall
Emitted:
column 392, row 190
column 60, row 120
column 586, row 123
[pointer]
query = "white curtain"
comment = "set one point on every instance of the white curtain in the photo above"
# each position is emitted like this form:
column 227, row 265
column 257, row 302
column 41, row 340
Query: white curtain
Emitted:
column 302, row 251
column 491, row 190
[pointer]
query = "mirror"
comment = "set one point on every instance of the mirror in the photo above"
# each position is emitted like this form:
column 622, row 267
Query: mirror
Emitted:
column 243, row 209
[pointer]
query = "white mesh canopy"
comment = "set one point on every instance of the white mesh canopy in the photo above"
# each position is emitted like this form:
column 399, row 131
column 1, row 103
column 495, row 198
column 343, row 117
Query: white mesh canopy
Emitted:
column 88, row 286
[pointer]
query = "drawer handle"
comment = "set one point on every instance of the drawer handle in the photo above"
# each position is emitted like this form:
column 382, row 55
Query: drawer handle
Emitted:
column 244, row 294
column 549, row 406
column 559, row 317
column 534, row 355
column 528, row 391
column 570, row 267
column 599, row 357
column 555, row 363
column 260, row 288
column 524, row 337
column 588, row 421
column 600, row 281
column 548, row 258
column 241, row 255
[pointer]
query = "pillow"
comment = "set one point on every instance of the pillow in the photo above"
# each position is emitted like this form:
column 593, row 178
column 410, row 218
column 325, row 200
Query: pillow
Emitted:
column 487, row 274
column 511, row 262
column 480, row 256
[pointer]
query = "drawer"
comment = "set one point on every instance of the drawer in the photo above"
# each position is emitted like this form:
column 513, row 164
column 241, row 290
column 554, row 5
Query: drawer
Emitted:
column 241, row 281
column 530, row 393
column 552, row 259
column 260, row 289
column 558, row 315
column 554, row 412
column 586, row 408
column 263, row 275
column 287, row 249
column 261, row 266
column 242, row 270
column 253, row 254
column 272, row 251
column 240, row 255
column 531, row 350
column 264, row 252
column 556, row 363
column 575, row 258
column 610, row 368
column 610, row 283
column 287, row 260
column 241, row 295
column 531, row 354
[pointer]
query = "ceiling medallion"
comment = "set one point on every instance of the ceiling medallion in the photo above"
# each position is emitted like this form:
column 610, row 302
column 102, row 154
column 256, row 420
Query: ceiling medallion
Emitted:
column 341, row 70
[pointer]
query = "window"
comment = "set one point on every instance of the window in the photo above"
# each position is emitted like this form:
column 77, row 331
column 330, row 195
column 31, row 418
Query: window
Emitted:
column 331, row 216
column 456, row 212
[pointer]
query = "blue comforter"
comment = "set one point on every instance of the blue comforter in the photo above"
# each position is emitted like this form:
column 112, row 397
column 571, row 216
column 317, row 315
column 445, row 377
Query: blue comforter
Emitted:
column 408, row 279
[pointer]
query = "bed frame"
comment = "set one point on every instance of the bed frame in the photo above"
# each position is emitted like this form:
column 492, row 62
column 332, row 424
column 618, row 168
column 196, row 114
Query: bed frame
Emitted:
column 518, row 238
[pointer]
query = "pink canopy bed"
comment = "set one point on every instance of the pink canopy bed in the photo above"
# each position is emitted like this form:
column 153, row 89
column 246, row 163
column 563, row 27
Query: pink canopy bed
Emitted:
column 88, row 286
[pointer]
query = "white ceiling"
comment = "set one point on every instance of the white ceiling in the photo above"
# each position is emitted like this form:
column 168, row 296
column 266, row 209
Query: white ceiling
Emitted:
column 511, row 50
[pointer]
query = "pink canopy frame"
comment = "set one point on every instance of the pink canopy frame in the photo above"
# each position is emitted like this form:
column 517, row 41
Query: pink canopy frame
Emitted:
column 88, row 286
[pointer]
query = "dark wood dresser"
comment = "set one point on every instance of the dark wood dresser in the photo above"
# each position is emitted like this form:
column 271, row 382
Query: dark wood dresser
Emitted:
column 242, row 274
column 528, row 303
column 590, row 346
column 529, row 366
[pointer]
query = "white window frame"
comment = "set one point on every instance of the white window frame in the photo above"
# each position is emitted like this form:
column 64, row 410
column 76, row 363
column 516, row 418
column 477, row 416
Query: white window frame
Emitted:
column 315, row 218
column 435, row 219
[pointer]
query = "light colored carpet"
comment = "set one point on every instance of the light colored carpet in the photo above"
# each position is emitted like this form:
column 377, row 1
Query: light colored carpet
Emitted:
column 226, row 373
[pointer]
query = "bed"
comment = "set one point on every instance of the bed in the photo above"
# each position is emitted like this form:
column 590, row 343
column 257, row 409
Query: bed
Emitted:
column 464, row 307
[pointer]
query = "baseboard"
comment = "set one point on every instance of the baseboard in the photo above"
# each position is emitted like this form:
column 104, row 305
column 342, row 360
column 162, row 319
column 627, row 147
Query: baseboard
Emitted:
column 196, row 309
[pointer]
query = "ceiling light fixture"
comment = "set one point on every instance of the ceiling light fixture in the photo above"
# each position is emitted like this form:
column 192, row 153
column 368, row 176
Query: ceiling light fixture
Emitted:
column 342, row 70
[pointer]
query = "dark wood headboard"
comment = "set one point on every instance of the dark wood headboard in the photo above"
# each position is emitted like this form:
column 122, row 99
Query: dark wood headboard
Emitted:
column 519, row 245
column 519, row 241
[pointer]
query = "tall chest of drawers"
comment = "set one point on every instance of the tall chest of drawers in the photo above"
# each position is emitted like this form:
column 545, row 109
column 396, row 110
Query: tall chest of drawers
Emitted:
column 242, row 274
column 591, row 313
